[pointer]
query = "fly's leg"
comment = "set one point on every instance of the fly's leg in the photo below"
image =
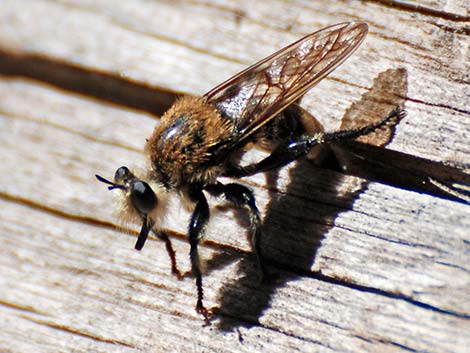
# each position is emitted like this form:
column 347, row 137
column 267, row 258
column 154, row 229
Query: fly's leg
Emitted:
column 199, row 219
column 241, row 196
column 171, row 253
column 144, row 232
column 288, row 151
column 147, row 225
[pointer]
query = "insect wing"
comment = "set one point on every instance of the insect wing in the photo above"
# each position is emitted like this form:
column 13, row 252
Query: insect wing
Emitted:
column 257, row 94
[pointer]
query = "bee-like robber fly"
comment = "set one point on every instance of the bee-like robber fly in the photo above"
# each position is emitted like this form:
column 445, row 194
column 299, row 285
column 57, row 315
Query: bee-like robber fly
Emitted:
column 201, row 139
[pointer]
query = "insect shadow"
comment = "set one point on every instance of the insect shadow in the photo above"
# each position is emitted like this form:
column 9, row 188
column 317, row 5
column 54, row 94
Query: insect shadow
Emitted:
column 297, row 220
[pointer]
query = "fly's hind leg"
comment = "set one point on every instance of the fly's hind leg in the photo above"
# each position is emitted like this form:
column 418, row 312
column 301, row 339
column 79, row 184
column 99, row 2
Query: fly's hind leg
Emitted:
column 290, row 150
column 241, row 196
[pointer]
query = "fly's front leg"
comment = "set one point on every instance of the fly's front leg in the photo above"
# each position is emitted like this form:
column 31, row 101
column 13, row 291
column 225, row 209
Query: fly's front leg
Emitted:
column 147, row 225
column 289, row 151
column 171, row 253
column 199, row 219
column 144, row 232
column 243, row 197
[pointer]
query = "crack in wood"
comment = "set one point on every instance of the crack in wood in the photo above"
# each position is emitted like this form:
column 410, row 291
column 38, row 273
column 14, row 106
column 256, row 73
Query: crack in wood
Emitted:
column 399, row 345
column 72, row 131
column 401, row 170
column 92, row 83
column 445, row 106
column 425, row 11
column 56, row 212
column 78, row 332
column 349, row 284
column 25, row 308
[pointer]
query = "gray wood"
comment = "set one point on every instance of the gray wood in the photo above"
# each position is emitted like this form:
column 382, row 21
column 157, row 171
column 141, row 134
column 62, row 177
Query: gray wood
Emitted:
column 358, row 265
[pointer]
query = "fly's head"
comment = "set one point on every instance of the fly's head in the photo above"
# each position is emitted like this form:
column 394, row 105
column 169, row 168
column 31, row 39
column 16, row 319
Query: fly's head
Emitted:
column 139, row 202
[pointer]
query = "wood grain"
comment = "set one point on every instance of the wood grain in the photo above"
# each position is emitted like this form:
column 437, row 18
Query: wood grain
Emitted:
column 358, row 265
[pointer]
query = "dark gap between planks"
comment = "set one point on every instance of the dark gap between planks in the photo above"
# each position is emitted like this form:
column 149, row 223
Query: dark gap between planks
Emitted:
column 100, row 85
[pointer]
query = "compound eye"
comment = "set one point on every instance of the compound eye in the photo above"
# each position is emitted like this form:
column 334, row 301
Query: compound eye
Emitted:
column 122, row 175
column 142, row 196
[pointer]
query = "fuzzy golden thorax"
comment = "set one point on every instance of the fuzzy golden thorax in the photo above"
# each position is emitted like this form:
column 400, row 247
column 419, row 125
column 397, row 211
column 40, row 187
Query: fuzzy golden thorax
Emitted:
column 187, row 147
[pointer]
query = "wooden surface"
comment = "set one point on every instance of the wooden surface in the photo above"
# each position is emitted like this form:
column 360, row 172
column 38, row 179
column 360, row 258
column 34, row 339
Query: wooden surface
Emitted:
column 360, row 266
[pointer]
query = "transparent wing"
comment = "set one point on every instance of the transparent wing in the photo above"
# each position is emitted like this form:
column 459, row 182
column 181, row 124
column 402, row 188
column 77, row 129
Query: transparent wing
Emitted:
column 257, row 94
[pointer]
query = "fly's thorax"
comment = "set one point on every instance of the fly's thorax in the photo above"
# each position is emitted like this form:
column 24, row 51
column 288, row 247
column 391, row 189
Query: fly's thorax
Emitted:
column 186, row 147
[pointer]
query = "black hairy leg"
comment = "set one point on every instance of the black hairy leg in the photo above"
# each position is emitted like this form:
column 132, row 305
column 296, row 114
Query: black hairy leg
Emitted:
column 241, row 196
column 290, row 150
column 199, row 220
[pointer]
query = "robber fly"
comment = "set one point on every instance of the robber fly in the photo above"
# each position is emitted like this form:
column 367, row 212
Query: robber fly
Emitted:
column 201, row 139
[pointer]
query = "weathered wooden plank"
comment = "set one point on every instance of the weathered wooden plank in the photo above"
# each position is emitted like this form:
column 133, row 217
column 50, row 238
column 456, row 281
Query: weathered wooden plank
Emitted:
column 387, row 245
column 360, row 266
column 155, row 44
column 81, row 292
